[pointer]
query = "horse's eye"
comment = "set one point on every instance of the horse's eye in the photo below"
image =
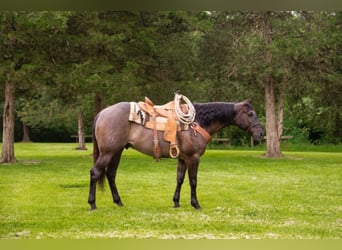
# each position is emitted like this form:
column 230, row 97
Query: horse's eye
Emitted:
column 250, row 113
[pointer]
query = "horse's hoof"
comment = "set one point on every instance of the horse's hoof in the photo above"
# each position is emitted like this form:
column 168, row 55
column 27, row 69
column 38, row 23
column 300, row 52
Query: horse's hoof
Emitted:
column 119, row 203
column 93, row 207
column 196, row 206
column 176, row 206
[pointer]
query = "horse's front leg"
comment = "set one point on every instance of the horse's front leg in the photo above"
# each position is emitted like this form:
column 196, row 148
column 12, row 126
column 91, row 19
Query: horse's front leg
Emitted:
column 181, row 169
column 192, row 165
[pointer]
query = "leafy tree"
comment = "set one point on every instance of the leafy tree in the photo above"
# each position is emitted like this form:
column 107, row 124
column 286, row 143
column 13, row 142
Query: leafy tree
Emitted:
column 66, row 66
column 21, row 32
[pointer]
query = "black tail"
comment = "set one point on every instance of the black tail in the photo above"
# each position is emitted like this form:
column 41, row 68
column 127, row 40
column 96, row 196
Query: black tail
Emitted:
column 95, row 146
column 96, row 153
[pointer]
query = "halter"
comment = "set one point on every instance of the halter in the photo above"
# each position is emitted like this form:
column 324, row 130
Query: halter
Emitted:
column 251, row 124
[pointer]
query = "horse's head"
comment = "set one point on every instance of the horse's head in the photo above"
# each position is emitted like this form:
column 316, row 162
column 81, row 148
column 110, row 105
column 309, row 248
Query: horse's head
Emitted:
column 246, row 119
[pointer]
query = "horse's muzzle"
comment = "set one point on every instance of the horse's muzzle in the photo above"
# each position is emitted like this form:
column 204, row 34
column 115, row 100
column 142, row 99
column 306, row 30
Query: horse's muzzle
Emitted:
column 258, row 136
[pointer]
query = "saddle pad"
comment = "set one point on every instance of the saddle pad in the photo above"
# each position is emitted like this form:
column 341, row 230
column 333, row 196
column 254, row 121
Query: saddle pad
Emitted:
column 136, row 114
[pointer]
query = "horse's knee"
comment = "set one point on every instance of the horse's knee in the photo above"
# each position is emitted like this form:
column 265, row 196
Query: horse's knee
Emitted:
column 193, row 183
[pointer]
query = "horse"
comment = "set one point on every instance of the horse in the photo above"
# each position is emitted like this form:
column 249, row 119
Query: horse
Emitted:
column 113, row 132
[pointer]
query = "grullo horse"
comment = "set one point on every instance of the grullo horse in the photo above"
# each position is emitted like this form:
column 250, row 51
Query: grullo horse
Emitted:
column 113, row 132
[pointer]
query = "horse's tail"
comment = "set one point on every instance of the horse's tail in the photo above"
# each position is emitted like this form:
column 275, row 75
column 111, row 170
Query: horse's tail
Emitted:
column 95, row 145
column 96, row 153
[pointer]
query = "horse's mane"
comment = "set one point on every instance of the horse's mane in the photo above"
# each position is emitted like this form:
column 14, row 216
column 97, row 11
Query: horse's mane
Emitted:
column 207, row 113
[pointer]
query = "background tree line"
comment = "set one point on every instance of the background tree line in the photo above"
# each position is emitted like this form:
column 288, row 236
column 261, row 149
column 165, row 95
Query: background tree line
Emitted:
column 58, row 68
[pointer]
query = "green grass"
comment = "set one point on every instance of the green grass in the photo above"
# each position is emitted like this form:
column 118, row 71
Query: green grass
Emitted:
column 242, row 194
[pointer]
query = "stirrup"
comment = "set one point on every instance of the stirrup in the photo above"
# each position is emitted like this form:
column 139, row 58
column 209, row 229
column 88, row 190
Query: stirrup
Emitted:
column 174, row 151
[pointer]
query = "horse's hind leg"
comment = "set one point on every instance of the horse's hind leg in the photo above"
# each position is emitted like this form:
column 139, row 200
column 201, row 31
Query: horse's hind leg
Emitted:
column 111, row 174
column 97, row 174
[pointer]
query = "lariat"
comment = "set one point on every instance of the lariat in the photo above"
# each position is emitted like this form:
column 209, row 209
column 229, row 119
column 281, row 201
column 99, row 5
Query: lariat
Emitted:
column 187, row 117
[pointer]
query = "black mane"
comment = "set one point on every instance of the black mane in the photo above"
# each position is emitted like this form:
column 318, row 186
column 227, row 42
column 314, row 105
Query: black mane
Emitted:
column 207, row 113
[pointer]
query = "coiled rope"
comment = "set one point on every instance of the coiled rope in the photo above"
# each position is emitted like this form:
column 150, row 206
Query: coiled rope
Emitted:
column 186, row 118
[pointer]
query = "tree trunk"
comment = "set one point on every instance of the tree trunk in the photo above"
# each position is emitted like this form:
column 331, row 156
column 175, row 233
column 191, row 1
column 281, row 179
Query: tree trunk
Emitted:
column 81, row 135
column 7, row 155
column 281, row 112
column 272, row 136
column 26, row 133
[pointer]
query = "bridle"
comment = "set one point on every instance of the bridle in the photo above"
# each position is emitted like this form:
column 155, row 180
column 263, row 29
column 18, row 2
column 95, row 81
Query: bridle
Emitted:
column 251, row 124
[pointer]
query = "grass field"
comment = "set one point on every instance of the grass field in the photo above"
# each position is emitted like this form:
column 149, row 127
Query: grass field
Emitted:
column 242, row 194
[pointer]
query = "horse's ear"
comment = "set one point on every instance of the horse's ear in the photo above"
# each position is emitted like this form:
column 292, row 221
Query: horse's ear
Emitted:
column 247, row 102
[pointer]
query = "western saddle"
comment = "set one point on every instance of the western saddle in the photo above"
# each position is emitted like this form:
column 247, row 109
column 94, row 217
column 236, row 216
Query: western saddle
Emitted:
column 166, row 118
column 162, row 118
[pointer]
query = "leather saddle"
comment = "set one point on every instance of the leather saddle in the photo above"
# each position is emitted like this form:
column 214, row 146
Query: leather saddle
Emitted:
column 163, row 118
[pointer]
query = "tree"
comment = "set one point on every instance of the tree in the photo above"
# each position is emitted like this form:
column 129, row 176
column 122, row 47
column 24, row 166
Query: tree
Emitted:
column 21, row 32
column 8, row 49
column 279, row 54
column 325, row 73
column 7, row 155
column 274, row 120
column 66, row 66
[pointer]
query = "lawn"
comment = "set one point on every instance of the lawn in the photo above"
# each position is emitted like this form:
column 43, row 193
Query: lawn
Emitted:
column 242, row 194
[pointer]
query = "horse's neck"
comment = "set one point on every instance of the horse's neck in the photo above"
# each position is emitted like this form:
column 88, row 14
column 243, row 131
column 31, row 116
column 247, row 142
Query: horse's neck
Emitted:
column 215, row 116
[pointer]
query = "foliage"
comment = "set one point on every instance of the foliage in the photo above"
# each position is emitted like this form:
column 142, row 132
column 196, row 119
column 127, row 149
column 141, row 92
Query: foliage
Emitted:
column 243, row 195
column 63, row 59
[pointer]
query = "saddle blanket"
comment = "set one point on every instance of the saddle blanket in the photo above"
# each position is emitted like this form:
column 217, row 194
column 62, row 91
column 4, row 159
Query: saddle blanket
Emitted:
column 136, row 114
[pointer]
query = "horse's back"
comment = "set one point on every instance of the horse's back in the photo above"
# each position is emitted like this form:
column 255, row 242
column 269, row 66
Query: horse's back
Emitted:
column 118, row 110
column 112, row 127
